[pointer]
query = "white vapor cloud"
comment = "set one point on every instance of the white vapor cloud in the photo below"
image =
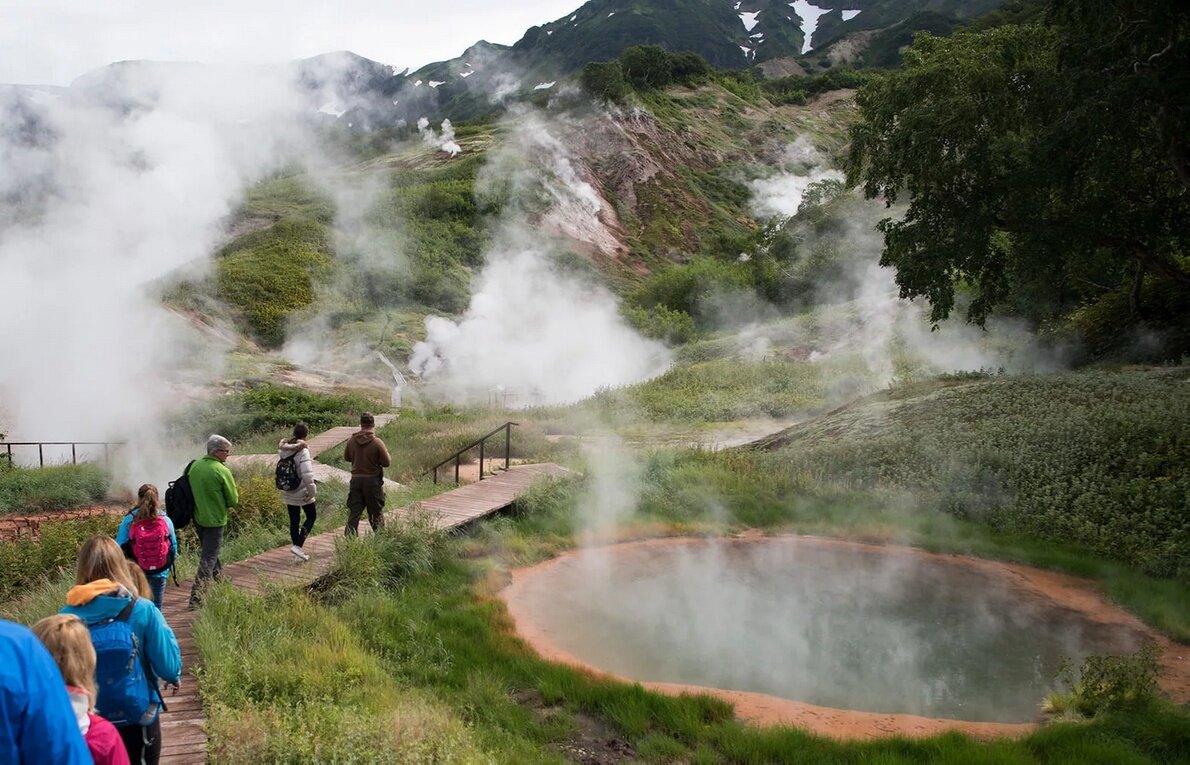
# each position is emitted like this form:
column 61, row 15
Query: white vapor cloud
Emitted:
column 547, row 337
column 110, row 188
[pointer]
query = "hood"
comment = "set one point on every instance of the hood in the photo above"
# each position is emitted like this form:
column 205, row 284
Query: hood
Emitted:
column 286, row 449
column 101, row 599
column 363, row 437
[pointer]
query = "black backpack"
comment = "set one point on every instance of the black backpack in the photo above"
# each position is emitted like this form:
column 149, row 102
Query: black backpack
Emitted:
column 287, row 477
column 179, row 500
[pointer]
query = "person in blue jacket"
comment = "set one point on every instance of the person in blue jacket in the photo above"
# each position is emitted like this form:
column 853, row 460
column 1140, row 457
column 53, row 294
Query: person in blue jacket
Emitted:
column 37, row 723
column 102, row 591
column 148, row 505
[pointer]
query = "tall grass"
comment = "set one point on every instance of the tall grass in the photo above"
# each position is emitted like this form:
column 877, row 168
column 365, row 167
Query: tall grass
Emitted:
column 417, row 441
column 59, row 487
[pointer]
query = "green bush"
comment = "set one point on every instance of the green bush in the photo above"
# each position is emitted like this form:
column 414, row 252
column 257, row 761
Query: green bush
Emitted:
column 672, row 327
column 604, row 80
column 260, row 504
column 25, row 561
column 1109, row 683
column 647, row 66
column 59, row 487
column 267, row 407
column 685, row 288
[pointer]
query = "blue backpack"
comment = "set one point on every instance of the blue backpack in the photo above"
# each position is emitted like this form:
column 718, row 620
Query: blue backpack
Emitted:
column 124, row 696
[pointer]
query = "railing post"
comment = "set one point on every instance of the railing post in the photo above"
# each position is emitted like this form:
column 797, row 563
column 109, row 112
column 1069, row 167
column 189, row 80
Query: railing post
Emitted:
column 481, row 460
column 457, row 456
column 435, row 474
column 507, row 443
column 74, row 460
column 40, row 456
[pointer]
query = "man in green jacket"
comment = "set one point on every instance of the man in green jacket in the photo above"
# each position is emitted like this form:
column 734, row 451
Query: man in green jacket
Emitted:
column 214, row 493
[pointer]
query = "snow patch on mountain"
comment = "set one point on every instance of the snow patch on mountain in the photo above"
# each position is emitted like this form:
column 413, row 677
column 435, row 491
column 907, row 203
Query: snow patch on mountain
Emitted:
column 809, row 15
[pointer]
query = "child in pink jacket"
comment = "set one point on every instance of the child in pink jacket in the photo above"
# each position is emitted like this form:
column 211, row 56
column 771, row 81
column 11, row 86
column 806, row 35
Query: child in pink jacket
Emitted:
column 69, row 642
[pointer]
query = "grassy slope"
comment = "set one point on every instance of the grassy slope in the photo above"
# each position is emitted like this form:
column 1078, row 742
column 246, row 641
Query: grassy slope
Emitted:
column 1096, row 458
column 410, row 619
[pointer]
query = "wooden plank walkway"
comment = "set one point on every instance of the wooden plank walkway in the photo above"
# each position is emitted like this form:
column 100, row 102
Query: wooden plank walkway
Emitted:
column 328, row 438
column 184, row 741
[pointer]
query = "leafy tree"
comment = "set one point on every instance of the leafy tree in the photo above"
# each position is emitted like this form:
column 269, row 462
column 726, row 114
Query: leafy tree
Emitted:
column 1049, row 154
column 647, row 66
column 604, row 80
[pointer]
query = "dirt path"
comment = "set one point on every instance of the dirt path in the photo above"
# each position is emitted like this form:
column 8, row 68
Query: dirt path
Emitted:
column 764, row 710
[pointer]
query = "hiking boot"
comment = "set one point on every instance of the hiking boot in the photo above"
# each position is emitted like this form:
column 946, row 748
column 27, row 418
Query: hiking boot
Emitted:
column 298, row 553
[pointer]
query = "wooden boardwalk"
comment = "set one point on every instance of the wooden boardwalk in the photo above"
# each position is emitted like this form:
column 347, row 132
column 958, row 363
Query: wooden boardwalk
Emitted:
column 184, row 740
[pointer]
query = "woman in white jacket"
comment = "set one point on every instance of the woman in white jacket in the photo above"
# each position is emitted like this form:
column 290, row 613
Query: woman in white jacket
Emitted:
column 301, row 498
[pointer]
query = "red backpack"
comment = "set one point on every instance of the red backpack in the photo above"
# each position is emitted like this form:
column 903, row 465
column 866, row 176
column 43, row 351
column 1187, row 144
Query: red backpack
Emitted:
column 149, row 544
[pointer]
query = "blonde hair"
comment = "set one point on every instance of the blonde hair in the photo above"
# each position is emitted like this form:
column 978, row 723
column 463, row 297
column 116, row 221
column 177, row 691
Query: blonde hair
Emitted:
column 69, row 642
column 137, row 575
column 101, row 558
column 147, row 502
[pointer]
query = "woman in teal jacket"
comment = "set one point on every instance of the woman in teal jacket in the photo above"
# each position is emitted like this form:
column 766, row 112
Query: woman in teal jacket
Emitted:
column 148, row 505
column 101, row 593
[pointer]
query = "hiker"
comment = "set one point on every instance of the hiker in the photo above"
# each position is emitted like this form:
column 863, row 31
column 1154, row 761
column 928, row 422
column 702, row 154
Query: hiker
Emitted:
column 148, row 538
column 69, row 642
column 37, row 724
column 135, row 647
column 295, row 479
column 368, row 457
column 214, row 494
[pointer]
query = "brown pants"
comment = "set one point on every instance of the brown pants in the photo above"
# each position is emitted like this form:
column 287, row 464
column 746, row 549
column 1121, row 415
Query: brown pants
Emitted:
column 365, row 491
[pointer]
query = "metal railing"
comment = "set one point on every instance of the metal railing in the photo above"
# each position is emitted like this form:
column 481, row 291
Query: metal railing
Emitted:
column 457, row 456
column 72, row 444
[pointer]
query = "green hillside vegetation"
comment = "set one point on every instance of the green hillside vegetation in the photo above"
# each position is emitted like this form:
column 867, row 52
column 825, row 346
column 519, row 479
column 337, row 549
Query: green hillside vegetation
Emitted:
column 1093, row 458
column 410, row 612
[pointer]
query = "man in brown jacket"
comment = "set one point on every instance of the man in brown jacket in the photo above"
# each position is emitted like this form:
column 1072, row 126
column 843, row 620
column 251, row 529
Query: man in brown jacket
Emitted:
column 368, row 457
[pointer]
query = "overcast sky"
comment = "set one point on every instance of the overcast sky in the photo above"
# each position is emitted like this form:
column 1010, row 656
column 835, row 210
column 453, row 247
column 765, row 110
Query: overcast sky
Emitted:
column 53, row 41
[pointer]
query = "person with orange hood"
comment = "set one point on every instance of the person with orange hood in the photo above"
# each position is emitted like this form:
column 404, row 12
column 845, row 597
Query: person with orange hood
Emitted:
column 134, row 646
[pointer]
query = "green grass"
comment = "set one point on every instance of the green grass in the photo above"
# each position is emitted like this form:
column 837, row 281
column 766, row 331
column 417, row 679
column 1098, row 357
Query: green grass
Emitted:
column 1094, row 458
column 268, row 275
column 429, row 631
column 260, row 411
column 59, row 487
column 418, row 440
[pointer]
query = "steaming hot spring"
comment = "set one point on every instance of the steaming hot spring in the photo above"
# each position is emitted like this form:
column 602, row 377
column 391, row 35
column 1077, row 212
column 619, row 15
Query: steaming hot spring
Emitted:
column 844, row 638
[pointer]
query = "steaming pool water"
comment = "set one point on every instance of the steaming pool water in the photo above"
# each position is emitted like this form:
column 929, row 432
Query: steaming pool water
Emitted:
column 849, row 626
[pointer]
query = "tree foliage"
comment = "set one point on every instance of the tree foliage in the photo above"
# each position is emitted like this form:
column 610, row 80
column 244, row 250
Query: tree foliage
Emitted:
column 1047, row 156
column 604, row 80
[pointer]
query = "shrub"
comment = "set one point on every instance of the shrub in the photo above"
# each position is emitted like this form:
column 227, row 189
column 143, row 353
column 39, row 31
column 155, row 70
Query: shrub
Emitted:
column 672, row 327
column 24, row 561
column 604, row 80
column 260, row 504
column 266, row 407
column 647, row 66
column 1108, row 683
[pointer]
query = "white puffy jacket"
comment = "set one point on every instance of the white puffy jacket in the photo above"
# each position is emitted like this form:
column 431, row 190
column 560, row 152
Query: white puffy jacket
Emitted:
column 303, row 494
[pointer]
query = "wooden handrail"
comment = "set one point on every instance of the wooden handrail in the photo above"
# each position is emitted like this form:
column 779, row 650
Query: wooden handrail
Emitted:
column 506, row 427
column 72, row 444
